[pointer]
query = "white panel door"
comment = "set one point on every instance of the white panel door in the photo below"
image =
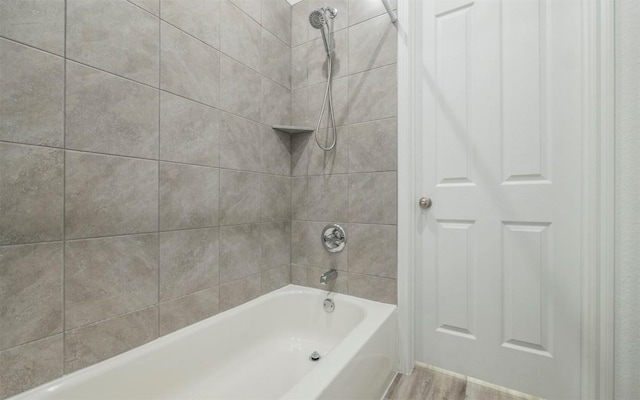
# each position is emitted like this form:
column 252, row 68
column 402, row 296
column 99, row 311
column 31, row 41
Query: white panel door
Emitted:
column 499, row 277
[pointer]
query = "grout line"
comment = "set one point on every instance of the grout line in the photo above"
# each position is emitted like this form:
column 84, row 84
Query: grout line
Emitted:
column 115, row 317
column 148, row 233
column 37, row 340
column 219, row 133
column 145, row 10
column 182, row 296
column 64, row 194
column 159, row 144
column 36, row 48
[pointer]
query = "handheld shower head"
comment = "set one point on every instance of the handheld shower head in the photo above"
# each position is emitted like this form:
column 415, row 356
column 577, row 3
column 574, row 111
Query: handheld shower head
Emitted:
column 317, row 18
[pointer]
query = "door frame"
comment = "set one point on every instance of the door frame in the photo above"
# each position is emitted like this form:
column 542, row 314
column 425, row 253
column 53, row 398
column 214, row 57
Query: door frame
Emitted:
column 598, row 173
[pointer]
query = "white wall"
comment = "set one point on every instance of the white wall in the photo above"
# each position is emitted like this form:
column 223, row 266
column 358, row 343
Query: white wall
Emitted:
column 627, row 336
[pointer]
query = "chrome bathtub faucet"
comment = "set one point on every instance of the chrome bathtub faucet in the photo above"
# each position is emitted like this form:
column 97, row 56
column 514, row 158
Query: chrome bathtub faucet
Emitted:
column 330, row 275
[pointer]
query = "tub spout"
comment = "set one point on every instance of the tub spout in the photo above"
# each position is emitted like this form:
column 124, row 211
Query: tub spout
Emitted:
column 330, row 275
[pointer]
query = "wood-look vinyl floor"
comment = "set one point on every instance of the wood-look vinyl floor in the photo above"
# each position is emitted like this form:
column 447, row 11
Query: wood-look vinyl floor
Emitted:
column 427, row 383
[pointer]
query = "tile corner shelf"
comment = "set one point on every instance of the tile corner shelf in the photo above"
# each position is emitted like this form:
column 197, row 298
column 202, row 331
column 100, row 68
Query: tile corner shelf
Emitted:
column 293, row 129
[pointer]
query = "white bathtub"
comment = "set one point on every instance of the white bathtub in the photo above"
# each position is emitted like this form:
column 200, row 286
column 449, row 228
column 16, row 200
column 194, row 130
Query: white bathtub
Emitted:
column 259, row 350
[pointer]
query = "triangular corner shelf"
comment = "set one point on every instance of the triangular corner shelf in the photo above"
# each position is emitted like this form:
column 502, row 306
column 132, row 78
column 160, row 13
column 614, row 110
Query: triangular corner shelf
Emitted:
column 293, row 129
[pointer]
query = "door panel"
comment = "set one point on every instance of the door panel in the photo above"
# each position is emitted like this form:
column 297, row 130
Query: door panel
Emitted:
column 499, row 280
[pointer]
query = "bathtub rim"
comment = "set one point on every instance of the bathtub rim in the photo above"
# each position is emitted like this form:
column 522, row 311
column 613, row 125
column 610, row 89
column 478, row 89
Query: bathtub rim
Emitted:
column 345, row 353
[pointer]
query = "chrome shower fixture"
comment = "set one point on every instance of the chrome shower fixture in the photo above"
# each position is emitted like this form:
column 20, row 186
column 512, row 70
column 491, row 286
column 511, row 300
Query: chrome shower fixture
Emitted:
column 318, row 20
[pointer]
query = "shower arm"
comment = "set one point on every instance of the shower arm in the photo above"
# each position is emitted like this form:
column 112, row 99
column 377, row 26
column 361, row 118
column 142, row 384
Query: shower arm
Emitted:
column 390, row 11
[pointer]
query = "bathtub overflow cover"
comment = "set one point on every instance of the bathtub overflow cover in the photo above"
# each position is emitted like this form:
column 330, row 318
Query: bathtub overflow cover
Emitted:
column 315, row 356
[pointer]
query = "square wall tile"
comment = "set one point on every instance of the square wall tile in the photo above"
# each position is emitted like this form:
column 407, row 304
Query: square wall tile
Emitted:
column 189, row 131
column 38, row 23
column 299, row 109
column 200, row 18
column 299, row 23
column 109, row 114
column 31, row 193
column 373, row 146
column 239, row 35
column 300, row 153
column 318, row 66
column 299, row 201
column 30, row 365
column 31, row 95
column 340, row 89
column 374, row 288
column 299, row 66
column 253, row 8
column 239, row 86
column 328, row 198
column 300, row 242
column 239, row 197
column 276, row 198
column 30, row 292
column 238, row 292
column 276, row 59
column 276, row 278
column 108, row 195
column 373, row 250
column 276, row 17
column 115, row 36
column 239, row 252
column 240, row 143
column 361, row 10
column 108, row 277
column 373, row 198
column 276, row 103
column 189, row 67
column 372, row 44
column 276, row 152
column 189, row 196
column 189, row 261
column 299, row 274
column 373, row 94
column 335, row 161
column 274, row 244
column 153, row 6
column 96, row 342
column 187, row 310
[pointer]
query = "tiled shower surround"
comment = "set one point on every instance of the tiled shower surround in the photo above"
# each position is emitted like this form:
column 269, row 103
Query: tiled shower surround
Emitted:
column 142, row 188
column 354, row 184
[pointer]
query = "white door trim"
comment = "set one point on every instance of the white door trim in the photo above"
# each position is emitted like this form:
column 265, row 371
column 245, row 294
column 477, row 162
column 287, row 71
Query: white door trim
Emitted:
column 597, row 196
column 598, row 200
column 407, row 211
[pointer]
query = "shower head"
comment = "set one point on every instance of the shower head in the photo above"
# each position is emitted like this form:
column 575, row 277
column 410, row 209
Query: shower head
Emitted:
column 317, row 18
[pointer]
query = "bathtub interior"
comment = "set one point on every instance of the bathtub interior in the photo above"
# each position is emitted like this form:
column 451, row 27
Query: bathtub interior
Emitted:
column 258, row 350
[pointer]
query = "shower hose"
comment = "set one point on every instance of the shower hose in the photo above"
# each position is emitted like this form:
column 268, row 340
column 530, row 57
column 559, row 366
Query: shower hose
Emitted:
column 327, row 94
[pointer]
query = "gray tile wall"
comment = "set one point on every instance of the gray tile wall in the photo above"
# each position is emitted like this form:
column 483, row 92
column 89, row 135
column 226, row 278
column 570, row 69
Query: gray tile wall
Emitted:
column 141, row 186
column 356, row 183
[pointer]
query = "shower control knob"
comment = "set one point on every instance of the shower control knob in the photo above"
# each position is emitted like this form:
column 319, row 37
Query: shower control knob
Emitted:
column 425, row 202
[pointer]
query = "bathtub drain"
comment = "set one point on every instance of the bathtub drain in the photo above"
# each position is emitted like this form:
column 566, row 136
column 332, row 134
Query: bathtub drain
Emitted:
column 315, row 356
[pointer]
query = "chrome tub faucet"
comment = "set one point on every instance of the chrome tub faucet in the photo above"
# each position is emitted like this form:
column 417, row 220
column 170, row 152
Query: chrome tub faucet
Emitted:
column 330, row 275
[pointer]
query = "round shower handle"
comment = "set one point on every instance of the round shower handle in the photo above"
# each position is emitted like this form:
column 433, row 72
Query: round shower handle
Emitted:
column 425, row 202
